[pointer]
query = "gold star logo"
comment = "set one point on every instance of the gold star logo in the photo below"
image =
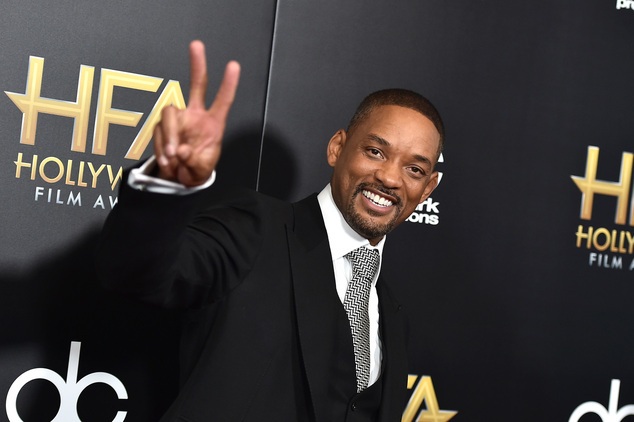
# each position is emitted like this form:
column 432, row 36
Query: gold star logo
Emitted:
column 424, row 392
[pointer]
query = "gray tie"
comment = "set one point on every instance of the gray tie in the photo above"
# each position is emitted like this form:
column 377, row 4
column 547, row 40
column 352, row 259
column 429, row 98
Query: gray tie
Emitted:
column 365, row 263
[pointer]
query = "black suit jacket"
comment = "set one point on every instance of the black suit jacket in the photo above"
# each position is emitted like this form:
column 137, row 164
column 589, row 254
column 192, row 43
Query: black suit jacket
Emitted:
column 258, row 276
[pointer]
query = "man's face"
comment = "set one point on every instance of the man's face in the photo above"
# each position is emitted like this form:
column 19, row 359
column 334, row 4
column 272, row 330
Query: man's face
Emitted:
column 383, row 169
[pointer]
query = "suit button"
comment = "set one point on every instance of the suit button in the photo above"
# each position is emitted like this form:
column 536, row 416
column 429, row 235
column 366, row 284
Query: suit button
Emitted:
column 353, row 406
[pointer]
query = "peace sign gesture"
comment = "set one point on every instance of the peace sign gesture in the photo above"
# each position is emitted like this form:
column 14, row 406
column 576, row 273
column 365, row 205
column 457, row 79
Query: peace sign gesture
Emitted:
column 187, row 142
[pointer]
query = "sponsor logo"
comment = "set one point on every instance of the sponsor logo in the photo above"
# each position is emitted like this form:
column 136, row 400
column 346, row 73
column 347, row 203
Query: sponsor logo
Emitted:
column 68, row 181
column 624, row 4
column 69, row 389
column 611, row 414
column 609, row 247
column 428, row 212
column 424, row 393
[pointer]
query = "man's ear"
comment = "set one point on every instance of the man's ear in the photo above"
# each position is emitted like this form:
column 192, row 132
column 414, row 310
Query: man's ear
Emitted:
column 431, row 185
column 335, row 145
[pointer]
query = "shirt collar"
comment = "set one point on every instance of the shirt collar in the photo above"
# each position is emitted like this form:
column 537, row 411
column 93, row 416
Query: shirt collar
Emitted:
column 341, row 237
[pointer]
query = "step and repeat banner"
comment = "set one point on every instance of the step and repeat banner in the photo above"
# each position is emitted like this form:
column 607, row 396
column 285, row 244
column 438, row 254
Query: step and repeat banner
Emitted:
column 82, row 86
column 516, row 273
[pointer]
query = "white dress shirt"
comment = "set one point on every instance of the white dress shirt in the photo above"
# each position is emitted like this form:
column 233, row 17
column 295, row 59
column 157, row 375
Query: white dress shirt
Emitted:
column 140, row 179
column 342, row 240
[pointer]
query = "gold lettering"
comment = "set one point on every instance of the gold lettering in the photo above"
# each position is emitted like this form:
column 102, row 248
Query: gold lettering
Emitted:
column 595, row 242
column 171, row 95
column 114, row 179
column 31, row 104
column 80, row 177
column 60, row 167
column 34, row 167
column 19, row 164
column 95, row 174
column 630, row 242
column 106, row 115
column 589, row 186
column 613, row 242
column 582, row 235
column 69, row 168
column 622, row 241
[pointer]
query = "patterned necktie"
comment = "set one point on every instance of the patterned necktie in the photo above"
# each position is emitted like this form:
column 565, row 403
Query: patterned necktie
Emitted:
column 365, row 263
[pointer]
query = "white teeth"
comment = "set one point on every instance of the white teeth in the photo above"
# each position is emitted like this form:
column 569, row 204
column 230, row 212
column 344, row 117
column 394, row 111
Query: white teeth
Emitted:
column 378, row 200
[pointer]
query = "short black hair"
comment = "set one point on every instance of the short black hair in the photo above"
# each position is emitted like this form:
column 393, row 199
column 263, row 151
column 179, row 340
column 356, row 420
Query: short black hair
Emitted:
column 402, row 98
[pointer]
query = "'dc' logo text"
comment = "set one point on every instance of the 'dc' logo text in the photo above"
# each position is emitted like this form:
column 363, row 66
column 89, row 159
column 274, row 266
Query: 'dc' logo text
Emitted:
column 69, row 390
column 611, row 414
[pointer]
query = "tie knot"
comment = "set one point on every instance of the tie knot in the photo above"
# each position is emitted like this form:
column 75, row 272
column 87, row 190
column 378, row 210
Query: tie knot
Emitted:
column 365, row 261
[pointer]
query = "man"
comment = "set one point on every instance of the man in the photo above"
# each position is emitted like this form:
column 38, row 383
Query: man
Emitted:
column 280, row 331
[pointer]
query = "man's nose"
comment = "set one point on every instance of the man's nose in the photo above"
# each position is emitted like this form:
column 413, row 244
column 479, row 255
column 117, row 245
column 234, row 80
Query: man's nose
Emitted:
column 390, row 175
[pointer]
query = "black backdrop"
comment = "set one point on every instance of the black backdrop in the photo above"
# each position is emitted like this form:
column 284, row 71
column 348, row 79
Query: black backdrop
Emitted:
column 512, row 314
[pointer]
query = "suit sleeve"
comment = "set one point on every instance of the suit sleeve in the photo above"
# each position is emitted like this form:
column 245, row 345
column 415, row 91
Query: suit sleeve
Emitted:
column 175, row 251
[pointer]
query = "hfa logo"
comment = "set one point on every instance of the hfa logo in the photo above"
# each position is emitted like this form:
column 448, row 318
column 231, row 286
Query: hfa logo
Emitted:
column 80, row 174
column 69, row 390
column 32, row 104
column 601, row 239
column 427, row 212
column 424, row 392
column 611, row 414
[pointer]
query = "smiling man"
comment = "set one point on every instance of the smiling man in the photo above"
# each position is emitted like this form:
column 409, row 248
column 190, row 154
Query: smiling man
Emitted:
column 291, row 316
column 384, row 163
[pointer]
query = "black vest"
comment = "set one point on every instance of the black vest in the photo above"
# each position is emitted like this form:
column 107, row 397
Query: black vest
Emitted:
column 347, row 405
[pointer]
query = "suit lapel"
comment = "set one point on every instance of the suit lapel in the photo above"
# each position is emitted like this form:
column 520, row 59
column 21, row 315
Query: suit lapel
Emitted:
column 317, row 306
column 395, row 369
column 316, row 301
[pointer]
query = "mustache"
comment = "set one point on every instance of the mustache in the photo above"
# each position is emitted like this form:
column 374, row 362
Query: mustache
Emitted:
column 378, row 187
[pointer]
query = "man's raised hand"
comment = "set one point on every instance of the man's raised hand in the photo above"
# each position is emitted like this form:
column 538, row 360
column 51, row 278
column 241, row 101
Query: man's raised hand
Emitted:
column 187, row 142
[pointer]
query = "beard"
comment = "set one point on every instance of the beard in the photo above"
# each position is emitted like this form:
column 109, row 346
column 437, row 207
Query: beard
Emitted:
column 366, row 227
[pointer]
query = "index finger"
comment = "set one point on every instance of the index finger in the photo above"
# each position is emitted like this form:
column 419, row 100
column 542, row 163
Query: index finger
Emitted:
column 198, row 74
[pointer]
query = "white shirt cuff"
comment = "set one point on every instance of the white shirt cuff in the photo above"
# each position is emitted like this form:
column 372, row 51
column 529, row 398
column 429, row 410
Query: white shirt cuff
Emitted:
column 140, row 179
